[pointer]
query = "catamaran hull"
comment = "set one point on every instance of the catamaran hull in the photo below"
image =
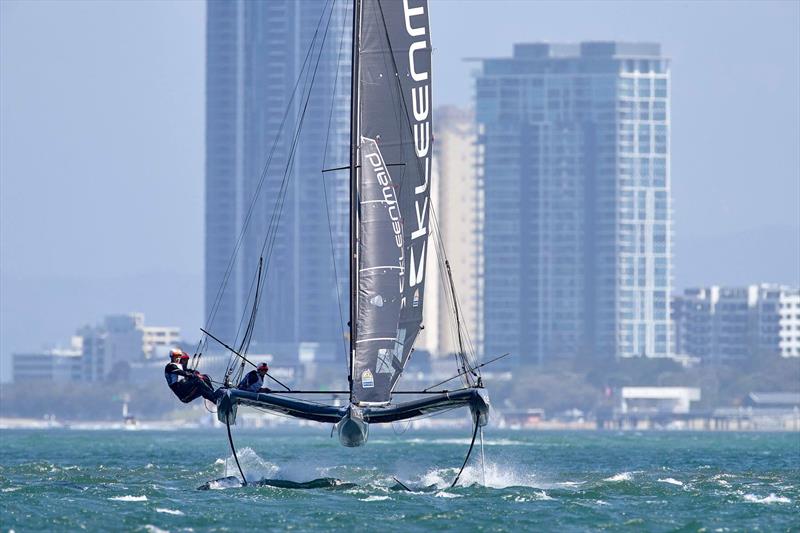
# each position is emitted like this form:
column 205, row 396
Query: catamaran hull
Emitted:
column 353, row 431
column 352, row 422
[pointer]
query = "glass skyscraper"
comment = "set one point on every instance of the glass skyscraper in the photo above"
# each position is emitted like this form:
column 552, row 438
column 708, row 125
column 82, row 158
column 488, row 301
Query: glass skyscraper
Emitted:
column 256, row 53
column 573, row 162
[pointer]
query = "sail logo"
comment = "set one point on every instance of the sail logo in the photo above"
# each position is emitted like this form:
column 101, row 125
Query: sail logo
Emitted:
column 375, row 159
column 421, row 109
column 367, row 380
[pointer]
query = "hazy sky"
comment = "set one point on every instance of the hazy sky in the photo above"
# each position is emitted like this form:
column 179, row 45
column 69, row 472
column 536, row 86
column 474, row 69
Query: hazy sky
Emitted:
column 102, row 147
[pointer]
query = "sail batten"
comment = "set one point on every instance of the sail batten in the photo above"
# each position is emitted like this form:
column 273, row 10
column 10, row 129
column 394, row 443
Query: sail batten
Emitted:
column 392, row 179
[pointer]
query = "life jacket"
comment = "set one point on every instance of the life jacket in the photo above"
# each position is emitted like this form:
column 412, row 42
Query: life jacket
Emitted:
column 251, row 382
column 173, row 375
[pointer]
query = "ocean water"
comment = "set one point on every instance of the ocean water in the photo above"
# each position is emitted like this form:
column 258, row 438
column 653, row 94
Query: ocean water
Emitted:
column 531, row 481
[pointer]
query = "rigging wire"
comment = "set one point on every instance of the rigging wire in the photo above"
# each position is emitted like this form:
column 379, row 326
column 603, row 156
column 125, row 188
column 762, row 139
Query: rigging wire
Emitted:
column 229, row 269
column 269, row 240
column 274, row 221
column 325, row 191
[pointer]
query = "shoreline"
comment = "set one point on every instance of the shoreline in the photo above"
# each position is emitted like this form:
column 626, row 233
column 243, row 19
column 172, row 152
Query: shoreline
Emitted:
column 14, row 423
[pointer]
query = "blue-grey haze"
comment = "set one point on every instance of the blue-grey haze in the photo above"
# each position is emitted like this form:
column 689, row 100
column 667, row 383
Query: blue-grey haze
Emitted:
column 101, row 144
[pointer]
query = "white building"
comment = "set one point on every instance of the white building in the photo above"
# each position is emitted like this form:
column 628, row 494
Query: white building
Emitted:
column 658, row 399
column 158, row 338
column 789, row 322
column 454, row 198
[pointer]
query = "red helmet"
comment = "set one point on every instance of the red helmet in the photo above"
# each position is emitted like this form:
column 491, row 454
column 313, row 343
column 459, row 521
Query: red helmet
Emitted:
column 184, row 356
column 262, row 366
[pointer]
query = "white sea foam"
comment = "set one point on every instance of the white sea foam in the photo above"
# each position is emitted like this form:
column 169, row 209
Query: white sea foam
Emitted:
column 456, row 441
column 443, row 494
column 772, row 498
column 10, row 489
column 622, row 476
column 498, row 476
column 571, row 483
column 225, row 483
column 374, row 498
column 256, row 468
column 536, row 496
column 671, row 481
column 154, row 529
column 169, row 511
column 129, row 498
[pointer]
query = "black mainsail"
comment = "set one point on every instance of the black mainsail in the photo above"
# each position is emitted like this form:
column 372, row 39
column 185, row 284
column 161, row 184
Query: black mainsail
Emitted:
column 393, row 127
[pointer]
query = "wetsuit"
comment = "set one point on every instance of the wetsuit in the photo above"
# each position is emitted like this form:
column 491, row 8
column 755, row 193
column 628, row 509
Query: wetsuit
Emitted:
column 186, row 385
column 252, row 382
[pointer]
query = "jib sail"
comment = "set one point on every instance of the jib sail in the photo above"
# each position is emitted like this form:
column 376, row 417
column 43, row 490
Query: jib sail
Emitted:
column 394, row 134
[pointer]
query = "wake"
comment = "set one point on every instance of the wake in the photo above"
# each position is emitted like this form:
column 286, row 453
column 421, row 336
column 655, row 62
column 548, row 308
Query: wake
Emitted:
column 302, row 476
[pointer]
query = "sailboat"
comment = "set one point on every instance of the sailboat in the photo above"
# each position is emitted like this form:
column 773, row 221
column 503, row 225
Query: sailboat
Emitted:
column 390, row 223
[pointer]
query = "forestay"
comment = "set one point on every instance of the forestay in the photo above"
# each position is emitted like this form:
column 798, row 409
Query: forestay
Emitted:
column 394, row 127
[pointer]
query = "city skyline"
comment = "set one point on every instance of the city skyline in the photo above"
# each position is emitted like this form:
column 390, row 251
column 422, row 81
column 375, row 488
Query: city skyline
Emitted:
column 144, row 254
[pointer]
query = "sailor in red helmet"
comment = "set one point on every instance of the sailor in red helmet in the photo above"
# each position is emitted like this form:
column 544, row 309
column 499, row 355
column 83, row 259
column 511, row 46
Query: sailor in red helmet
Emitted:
column 254, row 380
column 187, row 384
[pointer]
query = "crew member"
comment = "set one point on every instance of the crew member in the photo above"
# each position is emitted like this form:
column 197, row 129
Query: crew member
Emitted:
column 187, row 385
column 254, row 380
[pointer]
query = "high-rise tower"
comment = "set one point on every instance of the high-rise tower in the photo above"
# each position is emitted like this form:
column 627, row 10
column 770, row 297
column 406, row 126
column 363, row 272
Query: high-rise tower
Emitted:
column 573, row 144
column 256, row 53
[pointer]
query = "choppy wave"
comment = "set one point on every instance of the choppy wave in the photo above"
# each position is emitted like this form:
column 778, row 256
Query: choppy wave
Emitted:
column 150, row 528
column 493, row 475
column 575, row 482
column 169, row 511
column 128, row 498
column 374, row 498
column 772, row 498
column 443, row 494
column 538, row 495
column 622, row 476
column 454, row 441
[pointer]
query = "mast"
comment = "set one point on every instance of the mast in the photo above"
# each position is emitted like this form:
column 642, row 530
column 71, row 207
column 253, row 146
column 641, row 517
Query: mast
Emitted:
column 354, row 142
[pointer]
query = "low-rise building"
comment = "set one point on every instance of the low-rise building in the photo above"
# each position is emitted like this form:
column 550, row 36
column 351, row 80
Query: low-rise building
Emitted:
column 657, row 400
column 99, row 353
column 59, row 365
column 730, row 323
column 156, row 338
